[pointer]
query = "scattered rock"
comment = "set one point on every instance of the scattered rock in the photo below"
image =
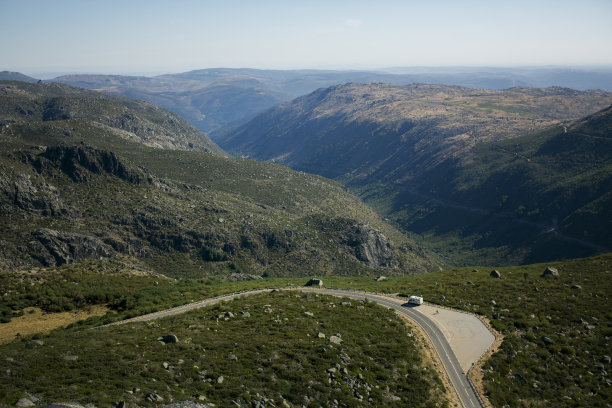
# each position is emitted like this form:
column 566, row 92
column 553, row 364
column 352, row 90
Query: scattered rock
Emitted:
column 576, row 287
column 168, row 338
column 521, row 378
column 153, row 397
column 605, row 359
column 495, row 274
column 321, row 335
column 220, row 379
column 314, row 282
column 242, row 277
column 232, row 356
column 65, row 405
column 307, row 313
column 187, row 404
column 381, row 278
column 470, row 282
column 246, row 314
column 71, row 358
column 550, row 271
column 35, row 343
column 345, row 303
column 120, row 404
column 335, row 340
column 165, row 365
column 24, row 402
column 496, row 315
column 493, row 302
column 548, row 341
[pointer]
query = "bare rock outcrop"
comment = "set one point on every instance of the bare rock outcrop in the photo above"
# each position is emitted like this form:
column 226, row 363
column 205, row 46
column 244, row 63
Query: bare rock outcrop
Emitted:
column 32, row 195
column 79, row 161
column 54, row 248
column 371, row 246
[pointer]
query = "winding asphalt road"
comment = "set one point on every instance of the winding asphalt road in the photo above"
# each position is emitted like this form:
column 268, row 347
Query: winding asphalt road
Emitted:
column 447, row 356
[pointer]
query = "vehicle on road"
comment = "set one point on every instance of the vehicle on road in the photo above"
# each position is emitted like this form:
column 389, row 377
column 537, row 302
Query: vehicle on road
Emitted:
column 415, row 300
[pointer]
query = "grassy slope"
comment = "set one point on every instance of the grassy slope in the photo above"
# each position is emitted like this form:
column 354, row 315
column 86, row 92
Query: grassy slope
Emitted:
column 510, row 197
column 526, row 371
column 527, row 308
column 284, row 358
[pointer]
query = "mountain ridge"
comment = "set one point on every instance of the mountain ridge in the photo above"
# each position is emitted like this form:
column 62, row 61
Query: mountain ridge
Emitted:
column 173, row 91
column 132, row 119
column 399, row 147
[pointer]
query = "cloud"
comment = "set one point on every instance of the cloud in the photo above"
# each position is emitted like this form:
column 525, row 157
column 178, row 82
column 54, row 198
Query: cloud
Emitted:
column 353, row 23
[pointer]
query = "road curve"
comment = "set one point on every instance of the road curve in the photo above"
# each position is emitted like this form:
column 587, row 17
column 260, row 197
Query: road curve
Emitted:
column 456, row 375
column 449, row 360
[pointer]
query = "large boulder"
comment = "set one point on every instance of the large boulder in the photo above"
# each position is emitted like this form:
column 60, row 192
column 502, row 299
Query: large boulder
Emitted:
column 495, row 274
column 315, row 282
column 168, row 338
column 24, row 402
column 550, row 271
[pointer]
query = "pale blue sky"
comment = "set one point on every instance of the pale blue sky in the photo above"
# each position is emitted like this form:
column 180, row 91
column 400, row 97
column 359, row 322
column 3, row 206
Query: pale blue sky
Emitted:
column 156, row 36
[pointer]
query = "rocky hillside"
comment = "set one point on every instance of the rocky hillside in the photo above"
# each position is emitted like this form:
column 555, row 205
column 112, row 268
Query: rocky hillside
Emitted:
column 74, row 189
column 133, row 120
column 398, row 146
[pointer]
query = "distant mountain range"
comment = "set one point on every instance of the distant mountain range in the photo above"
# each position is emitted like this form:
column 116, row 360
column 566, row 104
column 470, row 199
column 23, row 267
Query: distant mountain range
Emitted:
column 15, row 76
column 213, row 99
column 440, row 162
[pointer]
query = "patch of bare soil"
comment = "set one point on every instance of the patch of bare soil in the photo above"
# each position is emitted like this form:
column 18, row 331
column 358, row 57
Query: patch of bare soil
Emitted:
column 35, row 321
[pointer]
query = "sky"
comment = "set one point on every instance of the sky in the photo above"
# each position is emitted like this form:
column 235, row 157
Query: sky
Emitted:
column 154, row 37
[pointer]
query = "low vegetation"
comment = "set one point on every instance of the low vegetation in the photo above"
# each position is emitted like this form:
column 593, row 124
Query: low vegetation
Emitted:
column 556, row 328
column 302, row 349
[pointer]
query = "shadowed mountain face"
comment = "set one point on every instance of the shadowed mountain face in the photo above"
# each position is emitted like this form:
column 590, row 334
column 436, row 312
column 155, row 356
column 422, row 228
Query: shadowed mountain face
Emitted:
column 81, row 179
column 417, row 154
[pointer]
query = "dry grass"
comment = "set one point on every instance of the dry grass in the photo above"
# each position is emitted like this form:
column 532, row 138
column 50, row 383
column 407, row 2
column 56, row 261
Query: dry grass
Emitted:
column 34, row 321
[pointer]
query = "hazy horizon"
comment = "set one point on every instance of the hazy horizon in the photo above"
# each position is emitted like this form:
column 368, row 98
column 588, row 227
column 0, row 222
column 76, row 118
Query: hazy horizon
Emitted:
column 155, row 37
